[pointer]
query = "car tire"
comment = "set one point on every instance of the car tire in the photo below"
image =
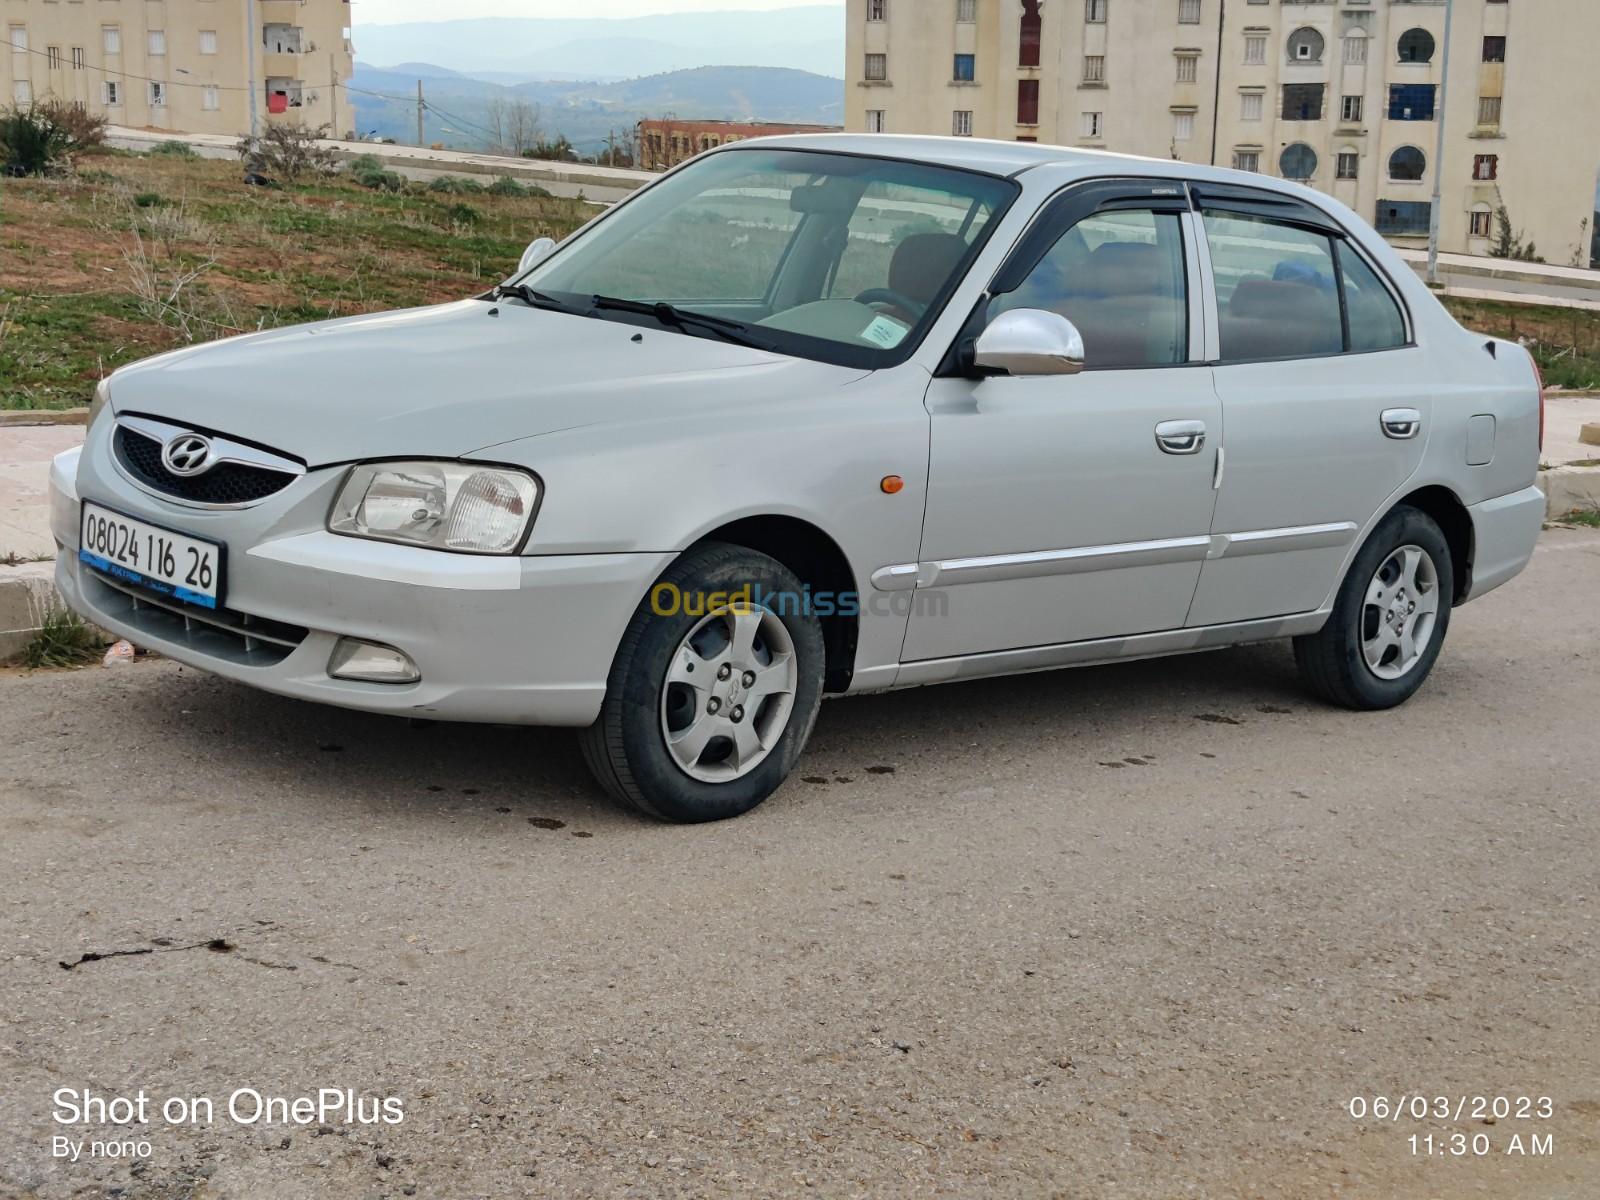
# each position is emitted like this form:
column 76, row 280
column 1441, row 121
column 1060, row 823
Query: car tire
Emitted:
column 1362, row 658
column 676, row 684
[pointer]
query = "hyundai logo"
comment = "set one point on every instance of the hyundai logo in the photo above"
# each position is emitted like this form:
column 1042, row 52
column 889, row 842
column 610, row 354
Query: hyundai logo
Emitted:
column 187, row 454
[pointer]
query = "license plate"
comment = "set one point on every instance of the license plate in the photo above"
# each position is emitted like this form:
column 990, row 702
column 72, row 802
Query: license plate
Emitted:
column 173, row 564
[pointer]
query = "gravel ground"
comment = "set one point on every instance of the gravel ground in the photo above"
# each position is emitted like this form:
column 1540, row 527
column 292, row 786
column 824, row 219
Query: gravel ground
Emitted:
column 1127, row 932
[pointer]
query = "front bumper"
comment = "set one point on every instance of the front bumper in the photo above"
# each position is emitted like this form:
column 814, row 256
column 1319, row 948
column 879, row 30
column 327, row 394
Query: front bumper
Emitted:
column 519, row 640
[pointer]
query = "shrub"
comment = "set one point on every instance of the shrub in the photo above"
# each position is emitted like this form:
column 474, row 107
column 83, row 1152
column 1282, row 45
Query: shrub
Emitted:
column 289, row 151
column 506, row 186
column 31, row 143
column 381, row 180
column 464, row 214
column 173, row 149
column 149, row 200
column 364, row 163
column 452, row 185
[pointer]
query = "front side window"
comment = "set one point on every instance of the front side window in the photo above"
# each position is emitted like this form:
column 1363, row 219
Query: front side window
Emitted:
column 1119, row 277
column 845, row 259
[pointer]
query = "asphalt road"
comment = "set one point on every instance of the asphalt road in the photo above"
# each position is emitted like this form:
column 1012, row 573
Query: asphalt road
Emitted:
column 1127, row 932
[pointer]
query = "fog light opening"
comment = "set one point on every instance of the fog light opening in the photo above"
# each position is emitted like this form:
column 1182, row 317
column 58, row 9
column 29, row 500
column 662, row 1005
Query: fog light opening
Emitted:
column 371, row 662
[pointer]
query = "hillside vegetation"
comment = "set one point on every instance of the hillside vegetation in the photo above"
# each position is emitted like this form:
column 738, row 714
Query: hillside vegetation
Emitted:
column 131, row 255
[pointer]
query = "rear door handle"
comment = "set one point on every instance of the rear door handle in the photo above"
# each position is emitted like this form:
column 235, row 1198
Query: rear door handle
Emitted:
column 1181, row 437
column 1402, row 424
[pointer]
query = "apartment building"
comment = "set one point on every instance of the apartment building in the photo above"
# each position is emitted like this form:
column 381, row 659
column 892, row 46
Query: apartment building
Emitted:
column 664, row 142
column 1341, row 94
column 184, row 65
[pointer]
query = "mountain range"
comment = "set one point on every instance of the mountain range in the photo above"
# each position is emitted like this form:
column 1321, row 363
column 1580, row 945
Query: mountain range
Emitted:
column 583, row 111
column 510, row 50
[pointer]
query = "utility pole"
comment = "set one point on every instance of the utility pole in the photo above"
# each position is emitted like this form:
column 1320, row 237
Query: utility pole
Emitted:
column 1439, row 149
column 611, row 147
column 251, row 34
column 421, row 105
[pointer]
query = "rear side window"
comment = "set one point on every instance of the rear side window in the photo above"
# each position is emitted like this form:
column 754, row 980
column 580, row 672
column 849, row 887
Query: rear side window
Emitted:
column 1375, row 319
column 1288, row 292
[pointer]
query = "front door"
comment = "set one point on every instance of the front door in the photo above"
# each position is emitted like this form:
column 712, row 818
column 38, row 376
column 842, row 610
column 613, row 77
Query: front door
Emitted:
column 1068, row 508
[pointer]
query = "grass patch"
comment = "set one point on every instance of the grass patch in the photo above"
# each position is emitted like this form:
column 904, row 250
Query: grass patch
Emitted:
column 1582, row 516
column 70, row 304
column 64, row 640
column 1565, row 342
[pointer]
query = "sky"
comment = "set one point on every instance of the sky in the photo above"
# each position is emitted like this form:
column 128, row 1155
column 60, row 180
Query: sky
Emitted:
column 387, row 12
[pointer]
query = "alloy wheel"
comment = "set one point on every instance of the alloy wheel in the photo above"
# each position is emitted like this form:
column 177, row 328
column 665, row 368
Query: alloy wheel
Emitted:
column 1400, row 612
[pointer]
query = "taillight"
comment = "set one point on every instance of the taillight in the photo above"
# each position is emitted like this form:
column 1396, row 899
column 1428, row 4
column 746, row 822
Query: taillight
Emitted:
column 1538, row 376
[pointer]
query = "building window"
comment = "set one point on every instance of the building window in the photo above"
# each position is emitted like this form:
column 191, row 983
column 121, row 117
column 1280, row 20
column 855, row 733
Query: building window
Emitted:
column 1416, row 46
column 961, row 123
column 21, row 92
column 1352, row 109
column 1299, row 161
column 1403, row 218
column 209, row 100
column 1488, row 110
column 877, row 10
column 966, row 12
column 1091, row 125
column 1027, row 102
column 1094, row 68
column 1408, row 164
column 1182, row 126
column 966, row 68
column 1306, row 45
column 1411, row 101
column 1247, row 160
column 1188, row 12
column 1031, row 22
column 208, row 41
column 1094, row 11
column 156, row 43
column 877, row 66
column 111, row 39
column 1494, row 49
column 1348, row 165
column 1302, row 101
column 1485, row 166
column 18, row 36
column 875, row 121
column 1250, row 106
column 1480, row 225
column 1355, row 50
column 1188, row 68
column 52, row 57
column 158, row 93
column 77, row 58
column 1255, row 49
column 111, row 92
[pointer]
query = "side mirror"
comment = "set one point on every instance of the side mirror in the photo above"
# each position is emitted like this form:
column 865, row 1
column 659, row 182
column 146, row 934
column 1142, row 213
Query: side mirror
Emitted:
column 536, row 250
column 1029, row 341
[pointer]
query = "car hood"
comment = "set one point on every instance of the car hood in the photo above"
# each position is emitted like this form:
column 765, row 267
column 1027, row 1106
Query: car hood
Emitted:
column 449, row 380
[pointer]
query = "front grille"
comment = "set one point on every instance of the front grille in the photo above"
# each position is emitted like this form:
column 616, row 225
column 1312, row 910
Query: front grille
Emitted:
column 218, row 632
column 225, row 483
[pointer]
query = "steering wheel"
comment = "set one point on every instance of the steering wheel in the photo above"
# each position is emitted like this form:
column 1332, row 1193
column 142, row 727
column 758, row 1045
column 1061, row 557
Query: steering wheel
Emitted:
column 912, row 308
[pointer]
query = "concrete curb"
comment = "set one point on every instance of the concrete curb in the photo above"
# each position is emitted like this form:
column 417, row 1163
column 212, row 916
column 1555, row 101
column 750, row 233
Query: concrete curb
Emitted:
column 1567, row 488
column 27, row 593
column 43, row 416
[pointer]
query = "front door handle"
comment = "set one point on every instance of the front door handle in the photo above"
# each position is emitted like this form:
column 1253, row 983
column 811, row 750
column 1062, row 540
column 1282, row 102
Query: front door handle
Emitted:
column 1181, row 437
column 1402, row 424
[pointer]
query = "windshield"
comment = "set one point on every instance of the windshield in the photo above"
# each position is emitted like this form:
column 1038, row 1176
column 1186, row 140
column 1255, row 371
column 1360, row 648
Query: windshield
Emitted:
column 829, row 256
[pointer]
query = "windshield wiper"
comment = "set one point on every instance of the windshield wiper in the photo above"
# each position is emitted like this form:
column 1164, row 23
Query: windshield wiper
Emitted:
column 530, row 297
column 681, row 319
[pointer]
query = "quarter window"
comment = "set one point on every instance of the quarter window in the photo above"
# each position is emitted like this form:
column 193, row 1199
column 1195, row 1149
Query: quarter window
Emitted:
column 1376, row 322
column 1119, row 277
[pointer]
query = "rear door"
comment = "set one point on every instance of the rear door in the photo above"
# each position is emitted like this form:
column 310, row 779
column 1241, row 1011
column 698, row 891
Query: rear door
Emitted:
column 1324, row 396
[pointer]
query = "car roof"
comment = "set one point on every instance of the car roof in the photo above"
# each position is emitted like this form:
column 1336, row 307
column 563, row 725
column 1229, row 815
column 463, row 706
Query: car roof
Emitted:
column 996, row 157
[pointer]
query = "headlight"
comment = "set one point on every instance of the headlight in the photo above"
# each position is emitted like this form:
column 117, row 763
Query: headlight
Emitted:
column 441, row 505
column 101, row 401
